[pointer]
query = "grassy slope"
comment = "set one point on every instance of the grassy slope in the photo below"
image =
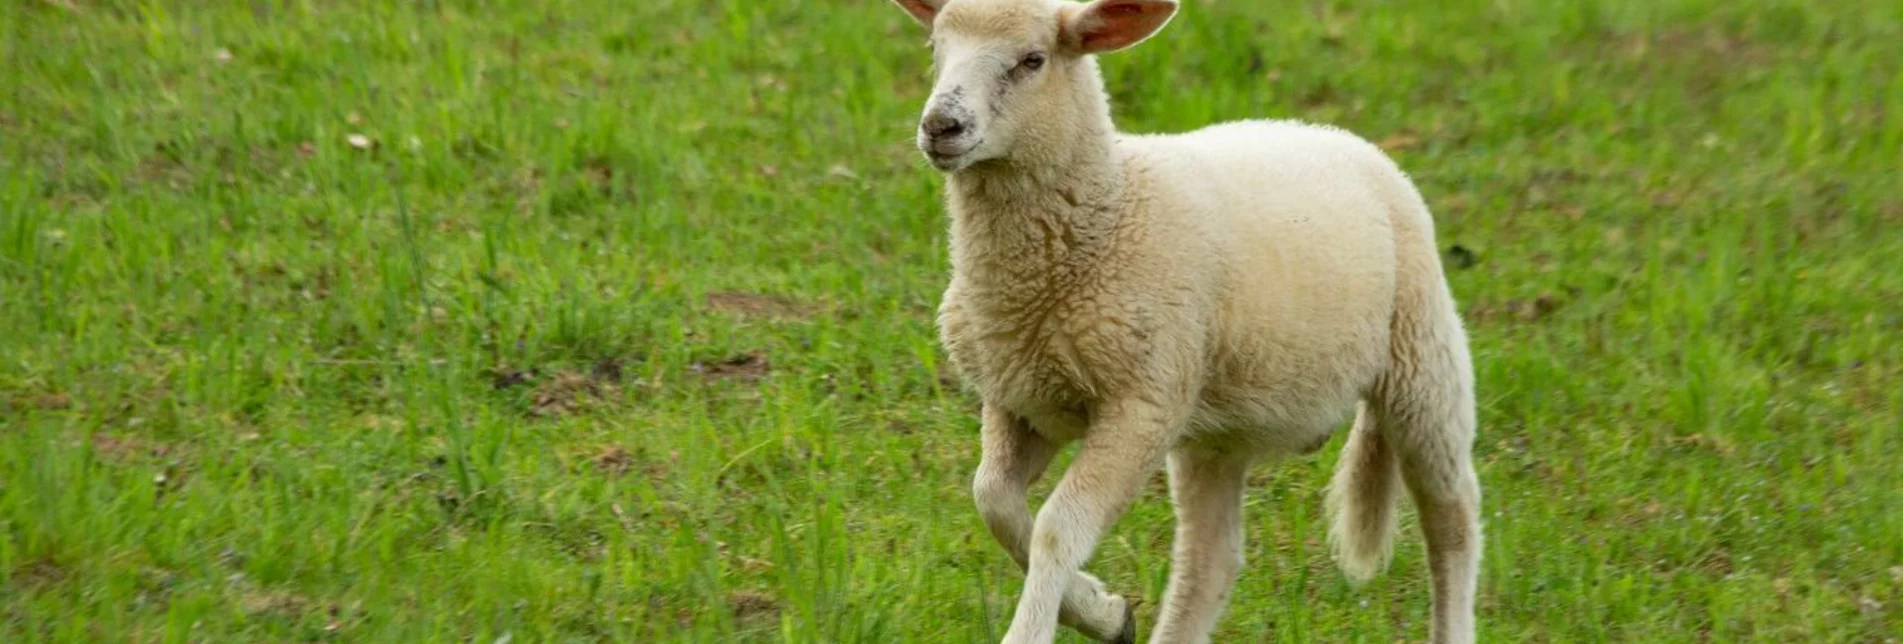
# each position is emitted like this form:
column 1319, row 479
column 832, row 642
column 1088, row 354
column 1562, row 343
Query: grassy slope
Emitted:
column 261, row 384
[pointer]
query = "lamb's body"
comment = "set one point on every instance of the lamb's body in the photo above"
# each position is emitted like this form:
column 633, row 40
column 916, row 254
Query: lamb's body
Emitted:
column 1213, row 297
column 1243, row 237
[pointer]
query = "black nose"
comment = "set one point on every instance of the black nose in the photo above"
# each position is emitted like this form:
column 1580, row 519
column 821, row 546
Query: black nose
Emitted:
column 939, row 126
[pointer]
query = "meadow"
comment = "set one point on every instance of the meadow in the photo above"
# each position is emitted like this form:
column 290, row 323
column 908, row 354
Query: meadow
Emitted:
column 601, row 320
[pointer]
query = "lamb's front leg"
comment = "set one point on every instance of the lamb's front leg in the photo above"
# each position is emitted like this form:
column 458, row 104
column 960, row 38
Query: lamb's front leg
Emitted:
column 1126, row 442
column 1014, row 456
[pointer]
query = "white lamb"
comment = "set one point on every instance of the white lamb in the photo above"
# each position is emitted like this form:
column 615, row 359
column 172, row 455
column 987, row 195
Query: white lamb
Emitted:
column 1216, row 297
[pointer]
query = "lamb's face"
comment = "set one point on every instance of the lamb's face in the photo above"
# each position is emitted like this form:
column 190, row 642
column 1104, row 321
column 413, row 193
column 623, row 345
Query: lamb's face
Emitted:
column 993, row 58
column 1004, row 63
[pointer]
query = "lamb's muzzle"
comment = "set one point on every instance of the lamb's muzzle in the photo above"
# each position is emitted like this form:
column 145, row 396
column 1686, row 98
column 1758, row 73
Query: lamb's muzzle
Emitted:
column 946, row 132
column 944, row 125
column 949, row 130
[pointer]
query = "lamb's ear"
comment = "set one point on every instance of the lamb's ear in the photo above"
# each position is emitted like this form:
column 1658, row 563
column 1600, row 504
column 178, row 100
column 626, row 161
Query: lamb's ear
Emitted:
column 1110, row 25
column 922, row 10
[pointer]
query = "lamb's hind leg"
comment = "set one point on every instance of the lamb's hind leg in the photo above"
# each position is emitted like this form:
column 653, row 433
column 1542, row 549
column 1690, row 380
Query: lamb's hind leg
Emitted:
column 1426, row 411
column 1206, row 487
column 1014, row 456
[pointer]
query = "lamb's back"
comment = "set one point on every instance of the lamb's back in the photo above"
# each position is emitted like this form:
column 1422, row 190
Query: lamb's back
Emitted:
column 1304, row 219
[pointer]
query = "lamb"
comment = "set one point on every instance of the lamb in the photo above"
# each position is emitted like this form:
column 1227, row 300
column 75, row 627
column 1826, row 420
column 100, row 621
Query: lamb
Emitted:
column 1211, row 299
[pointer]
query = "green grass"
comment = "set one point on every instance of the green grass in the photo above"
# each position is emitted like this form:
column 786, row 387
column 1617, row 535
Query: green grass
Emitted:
column 621, row 326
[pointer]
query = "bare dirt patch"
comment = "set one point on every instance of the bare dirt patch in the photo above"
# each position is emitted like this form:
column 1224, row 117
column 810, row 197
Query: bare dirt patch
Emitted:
column 1703, row 46
column 614, row 460
column 509, row 378
column 568, row 392
column 1521, row 310
column 45, row 401
column 746, row 367
column 758, row 305
column 38, row 573
column 274, row 602
column 753, row 604
column 563, row 391
column 53, row 401
column 1703, row 441
column 121, row 448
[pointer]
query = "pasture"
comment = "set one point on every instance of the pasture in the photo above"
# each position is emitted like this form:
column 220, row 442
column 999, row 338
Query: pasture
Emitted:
column 598, row 320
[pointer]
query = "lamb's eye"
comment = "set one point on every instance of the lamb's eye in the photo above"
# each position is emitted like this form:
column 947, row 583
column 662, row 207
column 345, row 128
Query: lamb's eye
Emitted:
column 1032, row 61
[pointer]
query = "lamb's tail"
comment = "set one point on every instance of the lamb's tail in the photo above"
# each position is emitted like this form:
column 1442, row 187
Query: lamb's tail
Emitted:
column 1362, row 500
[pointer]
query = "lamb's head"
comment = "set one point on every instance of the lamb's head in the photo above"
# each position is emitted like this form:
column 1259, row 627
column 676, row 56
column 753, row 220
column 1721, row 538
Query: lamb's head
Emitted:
column 1009, row 66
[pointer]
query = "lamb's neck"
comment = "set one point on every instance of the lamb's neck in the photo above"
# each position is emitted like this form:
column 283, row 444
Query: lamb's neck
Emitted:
column 1019, row 221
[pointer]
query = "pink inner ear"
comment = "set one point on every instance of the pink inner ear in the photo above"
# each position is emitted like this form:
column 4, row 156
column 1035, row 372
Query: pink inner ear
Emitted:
column 922, row 10
column 1118, row 24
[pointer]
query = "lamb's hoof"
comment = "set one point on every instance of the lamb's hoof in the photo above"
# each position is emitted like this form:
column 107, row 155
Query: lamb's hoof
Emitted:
column 1128, row 635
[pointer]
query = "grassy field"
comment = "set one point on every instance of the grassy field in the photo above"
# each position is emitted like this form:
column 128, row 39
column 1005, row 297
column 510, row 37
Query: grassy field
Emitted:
column 598, row 320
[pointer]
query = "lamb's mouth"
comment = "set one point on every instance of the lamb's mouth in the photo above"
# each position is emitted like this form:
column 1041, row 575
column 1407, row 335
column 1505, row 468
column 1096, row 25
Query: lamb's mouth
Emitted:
column 950, row 161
